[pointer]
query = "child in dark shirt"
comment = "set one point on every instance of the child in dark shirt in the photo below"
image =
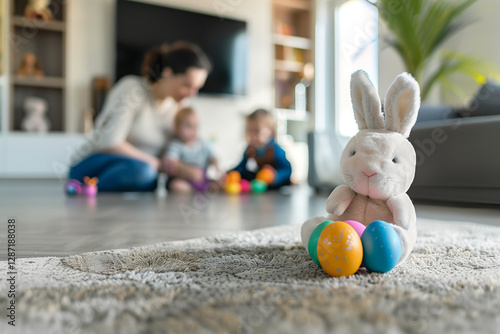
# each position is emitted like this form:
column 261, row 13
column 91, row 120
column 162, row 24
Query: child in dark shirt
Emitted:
column 262, row 151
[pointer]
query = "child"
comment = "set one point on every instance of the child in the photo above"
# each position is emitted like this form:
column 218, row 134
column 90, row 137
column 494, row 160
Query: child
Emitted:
column 187, row 148
column 262, row 151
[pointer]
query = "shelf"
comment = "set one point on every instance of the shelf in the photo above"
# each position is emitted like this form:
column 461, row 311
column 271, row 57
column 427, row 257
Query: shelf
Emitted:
column 21, row 21
column 292, row 41
column 292, row 114
column 45, row 82
column 288, row 66
column 49, row 136
column 294, row 4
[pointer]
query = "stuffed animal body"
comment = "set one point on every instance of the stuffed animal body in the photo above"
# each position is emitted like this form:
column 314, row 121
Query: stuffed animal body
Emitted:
column 378, row 163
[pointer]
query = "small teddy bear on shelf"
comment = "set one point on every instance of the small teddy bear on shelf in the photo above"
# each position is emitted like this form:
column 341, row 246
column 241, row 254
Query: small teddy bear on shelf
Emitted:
column 30, row 66
column 38, row 9
column 35, row 120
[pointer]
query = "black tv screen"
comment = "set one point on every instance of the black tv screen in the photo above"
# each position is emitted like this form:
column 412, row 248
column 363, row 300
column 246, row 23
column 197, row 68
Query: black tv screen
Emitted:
column 140, row 26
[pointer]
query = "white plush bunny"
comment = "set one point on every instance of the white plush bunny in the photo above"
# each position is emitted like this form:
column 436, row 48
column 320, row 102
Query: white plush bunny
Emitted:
column 378, row 164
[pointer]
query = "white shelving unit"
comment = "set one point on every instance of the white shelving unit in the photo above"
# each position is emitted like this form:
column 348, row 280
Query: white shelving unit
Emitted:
column 22, row 154
column 293, row 43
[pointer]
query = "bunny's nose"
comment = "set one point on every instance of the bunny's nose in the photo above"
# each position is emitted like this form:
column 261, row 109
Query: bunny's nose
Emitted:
column 368, row 175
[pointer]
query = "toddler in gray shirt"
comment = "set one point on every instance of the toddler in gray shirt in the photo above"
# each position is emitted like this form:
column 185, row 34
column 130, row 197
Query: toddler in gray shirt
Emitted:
column 187, row 148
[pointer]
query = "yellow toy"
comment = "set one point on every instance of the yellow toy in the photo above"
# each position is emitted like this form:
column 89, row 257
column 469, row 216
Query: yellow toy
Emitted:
column 233, row 188
column 233, row 180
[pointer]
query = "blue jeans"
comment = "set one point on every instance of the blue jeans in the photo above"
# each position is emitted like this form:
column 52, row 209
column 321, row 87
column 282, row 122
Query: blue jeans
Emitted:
column 116, row 173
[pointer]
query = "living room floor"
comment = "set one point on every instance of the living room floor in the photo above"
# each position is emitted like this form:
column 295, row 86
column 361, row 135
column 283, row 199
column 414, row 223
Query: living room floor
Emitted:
column 48, row 223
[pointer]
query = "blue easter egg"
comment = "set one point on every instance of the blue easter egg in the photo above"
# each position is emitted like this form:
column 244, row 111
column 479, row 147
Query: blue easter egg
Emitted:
column 381, row 247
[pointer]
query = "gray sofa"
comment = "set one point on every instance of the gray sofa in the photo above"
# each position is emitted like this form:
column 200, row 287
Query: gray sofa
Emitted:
column 458, row 152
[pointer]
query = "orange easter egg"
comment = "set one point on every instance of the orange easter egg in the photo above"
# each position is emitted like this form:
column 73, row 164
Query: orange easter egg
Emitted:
column 233, row 177
column 265, row 175
column 340, row 250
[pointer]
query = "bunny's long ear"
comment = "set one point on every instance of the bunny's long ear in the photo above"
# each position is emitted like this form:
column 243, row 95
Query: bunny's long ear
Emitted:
column 402, row 103
column 365, row 102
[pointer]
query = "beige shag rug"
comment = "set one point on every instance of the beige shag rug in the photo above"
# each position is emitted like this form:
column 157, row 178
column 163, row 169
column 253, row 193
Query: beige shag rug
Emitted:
column 262, row 282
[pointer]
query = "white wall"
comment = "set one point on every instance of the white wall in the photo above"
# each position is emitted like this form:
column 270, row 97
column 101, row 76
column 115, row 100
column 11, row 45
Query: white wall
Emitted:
column 480, row 39
column 389, row 62
column 91, row 53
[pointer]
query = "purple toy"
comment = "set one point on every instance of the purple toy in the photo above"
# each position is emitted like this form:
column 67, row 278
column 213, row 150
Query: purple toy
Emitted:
column 203, row 185
column 73, row 187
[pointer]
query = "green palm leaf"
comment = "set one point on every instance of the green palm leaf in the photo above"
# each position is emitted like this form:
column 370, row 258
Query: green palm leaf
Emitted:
column 418, row 30
column 452, row 63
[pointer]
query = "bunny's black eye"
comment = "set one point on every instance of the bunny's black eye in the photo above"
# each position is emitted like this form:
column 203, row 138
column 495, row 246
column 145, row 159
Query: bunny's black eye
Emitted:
column 395, row 160
column 353, row 153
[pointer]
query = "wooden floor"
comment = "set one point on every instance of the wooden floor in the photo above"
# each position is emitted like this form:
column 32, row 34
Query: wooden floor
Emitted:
column 48, row 223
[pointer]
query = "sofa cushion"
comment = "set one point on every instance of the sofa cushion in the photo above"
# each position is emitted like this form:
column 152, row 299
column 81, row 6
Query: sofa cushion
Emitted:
column 433, row 112
column 486, row 102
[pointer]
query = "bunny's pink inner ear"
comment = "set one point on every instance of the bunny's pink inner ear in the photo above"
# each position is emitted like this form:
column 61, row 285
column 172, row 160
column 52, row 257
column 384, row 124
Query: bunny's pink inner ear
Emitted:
column 357, row 107
column 365, row 102
column 402, row 103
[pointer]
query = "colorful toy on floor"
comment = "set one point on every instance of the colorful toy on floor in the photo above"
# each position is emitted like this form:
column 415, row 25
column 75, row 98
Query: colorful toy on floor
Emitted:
column 246, row 187
column 236, row 185
column 381, row 247
column 233, row 186
column 266, row 175
column 73, row 187
column 338, row 248
column 90, row 186
column 233, row 177
column 258, row 186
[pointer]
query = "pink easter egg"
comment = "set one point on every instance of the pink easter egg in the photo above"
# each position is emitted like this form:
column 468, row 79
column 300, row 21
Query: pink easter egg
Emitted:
column 357, row 226
column 245, row 186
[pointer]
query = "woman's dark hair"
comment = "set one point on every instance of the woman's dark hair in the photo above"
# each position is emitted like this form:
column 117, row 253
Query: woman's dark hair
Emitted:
column 179, row 56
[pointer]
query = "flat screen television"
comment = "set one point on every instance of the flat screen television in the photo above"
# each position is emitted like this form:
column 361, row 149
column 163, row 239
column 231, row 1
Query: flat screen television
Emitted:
column 140, row 26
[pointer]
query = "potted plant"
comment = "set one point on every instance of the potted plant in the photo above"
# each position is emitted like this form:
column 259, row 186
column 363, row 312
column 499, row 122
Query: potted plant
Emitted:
column 419, row 28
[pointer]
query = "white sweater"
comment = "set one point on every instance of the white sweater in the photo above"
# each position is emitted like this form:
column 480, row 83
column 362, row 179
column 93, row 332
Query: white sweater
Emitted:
column 132, row 114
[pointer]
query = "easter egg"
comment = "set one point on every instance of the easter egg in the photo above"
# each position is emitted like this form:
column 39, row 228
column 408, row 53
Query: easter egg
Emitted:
column 258, row 186
column 381, row 247
column 233, row 188
column 312, row 246
column 357, row 226
column 245, row 186
column 340, row 251
column 265, row 175
column 233, row 177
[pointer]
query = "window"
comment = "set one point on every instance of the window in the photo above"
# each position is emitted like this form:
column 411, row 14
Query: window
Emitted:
column 356, row 48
